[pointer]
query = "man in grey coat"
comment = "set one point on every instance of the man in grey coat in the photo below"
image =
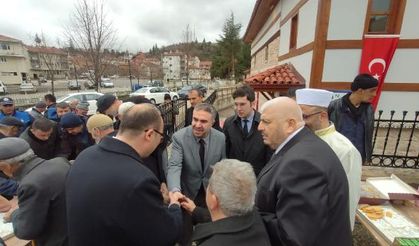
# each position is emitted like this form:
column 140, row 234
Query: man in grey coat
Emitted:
column 40, row 214
column 194, row 150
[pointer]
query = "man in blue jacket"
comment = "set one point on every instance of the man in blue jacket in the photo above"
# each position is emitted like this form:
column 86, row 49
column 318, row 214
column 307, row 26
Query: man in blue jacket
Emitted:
column 7, row 108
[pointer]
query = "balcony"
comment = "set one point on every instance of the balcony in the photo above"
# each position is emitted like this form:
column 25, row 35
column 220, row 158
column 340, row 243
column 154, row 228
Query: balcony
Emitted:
column 11, row 53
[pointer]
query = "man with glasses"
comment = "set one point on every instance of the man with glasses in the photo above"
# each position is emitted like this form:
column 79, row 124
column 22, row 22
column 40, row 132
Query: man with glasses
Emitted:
column 194, row 150
column 314, row 103
column 112, row 199
column 7, row 108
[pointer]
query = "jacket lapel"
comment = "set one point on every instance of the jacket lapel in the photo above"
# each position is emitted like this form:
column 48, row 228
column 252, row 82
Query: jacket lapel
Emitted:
column 195, row 150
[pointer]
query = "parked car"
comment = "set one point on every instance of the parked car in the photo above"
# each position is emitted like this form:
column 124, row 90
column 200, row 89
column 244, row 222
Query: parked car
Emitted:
column 106, row 83
column 27, row 87
column 89, row 84
column 183, row 92
column 155, row 94
column 3, row 88
column 89, row 97
column 74, row 85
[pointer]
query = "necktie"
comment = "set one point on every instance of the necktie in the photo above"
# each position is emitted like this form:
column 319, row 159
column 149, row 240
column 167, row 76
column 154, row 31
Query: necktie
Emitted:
column 202, row 153
column 245, row 129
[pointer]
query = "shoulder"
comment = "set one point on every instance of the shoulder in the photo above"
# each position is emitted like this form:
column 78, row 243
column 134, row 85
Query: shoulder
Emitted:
column 182, row 132
column 217, row 134
column 229, row 121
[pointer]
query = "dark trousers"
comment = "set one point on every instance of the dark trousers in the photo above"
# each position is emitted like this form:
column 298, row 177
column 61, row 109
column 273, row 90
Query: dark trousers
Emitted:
column 188, row 222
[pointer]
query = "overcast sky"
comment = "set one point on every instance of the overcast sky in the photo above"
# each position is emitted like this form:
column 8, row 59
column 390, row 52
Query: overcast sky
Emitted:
column 139, row 23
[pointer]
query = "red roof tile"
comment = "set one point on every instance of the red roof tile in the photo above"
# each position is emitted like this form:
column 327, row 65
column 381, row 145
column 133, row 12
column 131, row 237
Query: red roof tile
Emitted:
column 284, row 74
column 48, row 50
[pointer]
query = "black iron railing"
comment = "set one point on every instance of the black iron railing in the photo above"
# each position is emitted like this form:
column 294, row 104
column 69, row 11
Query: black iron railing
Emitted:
column 396, row 141
column 174, row 113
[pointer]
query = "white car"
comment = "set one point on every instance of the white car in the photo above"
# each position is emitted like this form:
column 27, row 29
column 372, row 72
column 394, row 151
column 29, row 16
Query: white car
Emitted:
column 3, row 88
column 89, row 97
column 106, row 83
column 27, row 87
column 154, row 94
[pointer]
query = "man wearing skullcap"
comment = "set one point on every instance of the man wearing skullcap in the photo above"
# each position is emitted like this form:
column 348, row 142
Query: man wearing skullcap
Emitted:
column 314, row 103
column 99, row 126
column 353, row 114
column 40, row 214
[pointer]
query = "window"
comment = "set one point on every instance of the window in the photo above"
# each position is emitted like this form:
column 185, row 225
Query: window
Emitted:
column 294, row 32
column 381, row 16
column 90, row 97
column 5, row 46
column 3, row 60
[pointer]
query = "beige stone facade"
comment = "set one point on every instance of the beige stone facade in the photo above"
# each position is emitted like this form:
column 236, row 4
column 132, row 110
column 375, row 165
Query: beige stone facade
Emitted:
column 266, row 57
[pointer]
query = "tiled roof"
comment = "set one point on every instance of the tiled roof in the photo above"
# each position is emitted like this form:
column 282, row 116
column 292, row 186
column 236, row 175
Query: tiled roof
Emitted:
column 9, row 39
column 284, row 74
column 48, row 50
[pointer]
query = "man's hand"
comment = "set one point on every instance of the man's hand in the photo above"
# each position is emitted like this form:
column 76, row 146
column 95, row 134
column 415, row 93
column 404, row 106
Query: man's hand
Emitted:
column 176, row 197
column 188, row 205
column 165, row 193
column 7, row 217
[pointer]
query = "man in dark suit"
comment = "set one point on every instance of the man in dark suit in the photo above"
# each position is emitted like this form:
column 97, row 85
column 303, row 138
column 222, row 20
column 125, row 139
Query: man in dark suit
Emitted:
column 196, row 96
column 112, row 198
column 41, row 212
column 194, row 150
column 302, row 191
column 243, row 141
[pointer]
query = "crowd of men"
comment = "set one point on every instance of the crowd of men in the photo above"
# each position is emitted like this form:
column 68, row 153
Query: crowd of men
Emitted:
column 288, row 174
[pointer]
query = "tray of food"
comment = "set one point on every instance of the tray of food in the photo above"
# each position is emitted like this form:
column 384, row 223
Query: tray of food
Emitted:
column 389, row 222
column 393, row 188
column 6, row 229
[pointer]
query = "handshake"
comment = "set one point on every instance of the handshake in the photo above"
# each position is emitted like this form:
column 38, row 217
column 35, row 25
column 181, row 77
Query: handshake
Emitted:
column 177, row 198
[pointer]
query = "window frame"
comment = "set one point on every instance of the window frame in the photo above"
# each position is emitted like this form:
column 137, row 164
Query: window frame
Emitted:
column 392, row 26
column 294, row 32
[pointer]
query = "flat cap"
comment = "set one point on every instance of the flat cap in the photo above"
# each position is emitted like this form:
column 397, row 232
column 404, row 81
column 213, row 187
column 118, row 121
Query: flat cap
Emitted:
column 11, row 121
column 70, row 120
column 11, row 147
column 40, row 104
column 104, row 102
column 83, row 105
column 6, row 101
column 98, row 120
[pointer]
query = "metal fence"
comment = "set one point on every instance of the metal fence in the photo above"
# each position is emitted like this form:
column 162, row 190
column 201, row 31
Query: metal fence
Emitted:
column 396, row 141
column 174, row 114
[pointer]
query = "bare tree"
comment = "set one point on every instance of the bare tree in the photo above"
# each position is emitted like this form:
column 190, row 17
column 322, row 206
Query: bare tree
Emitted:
column 91, row 32
column 188, row 37
column 47, row 59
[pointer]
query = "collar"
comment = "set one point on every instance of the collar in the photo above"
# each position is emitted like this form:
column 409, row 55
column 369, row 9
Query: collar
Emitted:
column 112, row 144
column 288, row 139
column 206, row 139
column 227, row 225
column 26, row 167
column 326, row 131
column 255, row 116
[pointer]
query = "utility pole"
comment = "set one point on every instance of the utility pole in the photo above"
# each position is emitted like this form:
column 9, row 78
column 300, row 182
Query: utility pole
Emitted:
column 75, row 75
column 129, row 70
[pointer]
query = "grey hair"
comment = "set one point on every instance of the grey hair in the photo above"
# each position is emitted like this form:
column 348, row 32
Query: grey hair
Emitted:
column 20, row 158
column 233, row 182
column 207, row 108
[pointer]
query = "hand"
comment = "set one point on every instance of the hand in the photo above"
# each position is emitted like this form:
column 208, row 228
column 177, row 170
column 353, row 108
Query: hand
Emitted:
column 188, row 205
column 5, row 204
column 165, row 193
column 176, row 197
column 7, row 217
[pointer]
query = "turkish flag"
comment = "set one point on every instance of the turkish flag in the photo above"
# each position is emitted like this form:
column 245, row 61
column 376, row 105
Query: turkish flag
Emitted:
column 377, row 53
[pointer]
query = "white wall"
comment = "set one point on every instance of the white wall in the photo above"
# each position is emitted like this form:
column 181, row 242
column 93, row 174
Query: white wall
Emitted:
column 398, row 101
column 302, row 64
column 284, row 40
column 347, row 19
column 410, row 20
column 404, row 67
column 341, row 65
column 270, row 33
column 307, row 17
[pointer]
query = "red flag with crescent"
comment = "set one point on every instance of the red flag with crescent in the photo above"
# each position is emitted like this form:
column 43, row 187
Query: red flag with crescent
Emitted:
column 377, row 53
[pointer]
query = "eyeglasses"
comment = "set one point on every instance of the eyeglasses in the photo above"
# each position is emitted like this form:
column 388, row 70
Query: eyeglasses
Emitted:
column 306, row 116
column 160, row 133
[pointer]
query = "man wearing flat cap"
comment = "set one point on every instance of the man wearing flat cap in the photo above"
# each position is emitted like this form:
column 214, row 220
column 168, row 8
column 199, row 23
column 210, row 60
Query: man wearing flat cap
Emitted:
column 108, row 104
column 314, row 103
column 37, row 112
column 353, row 114
column 74, row 135
column 40, row 214
column 10, row 126
column 7, row 108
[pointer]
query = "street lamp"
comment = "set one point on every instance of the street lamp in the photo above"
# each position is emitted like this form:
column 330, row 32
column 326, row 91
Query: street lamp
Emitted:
column 129, row 69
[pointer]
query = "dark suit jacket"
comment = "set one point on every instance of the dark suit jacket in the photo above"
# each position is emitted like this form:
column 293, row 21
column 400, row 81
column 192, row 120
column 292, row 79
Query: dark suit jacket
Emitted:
column 113, row 199
column 303, row 194
column 235, row 230
column 248, row 148
column 41, row 215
